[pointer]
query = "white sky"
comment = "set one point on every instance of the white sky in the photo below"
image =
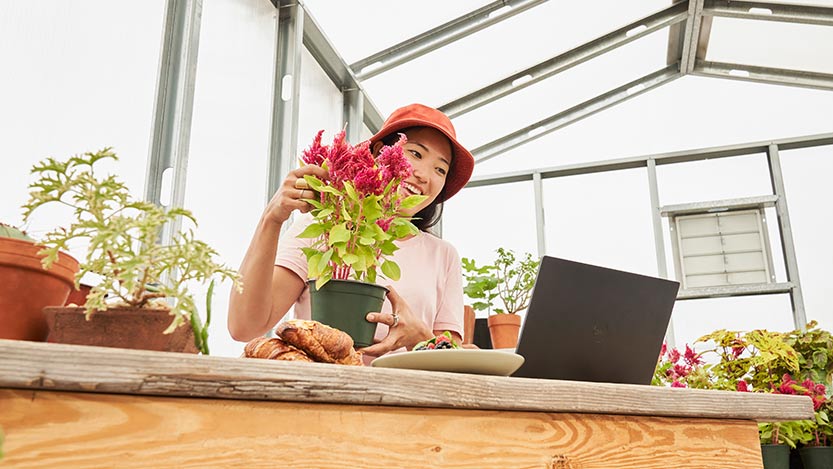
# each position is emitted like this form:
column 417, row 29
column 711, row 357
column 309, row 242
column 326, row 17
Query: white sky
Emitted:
column 81, row 75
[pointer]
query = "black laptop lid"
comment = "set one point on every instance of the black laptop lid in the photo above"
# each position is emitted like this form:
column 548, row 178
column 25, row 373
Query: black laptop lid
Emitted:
column 590, row 323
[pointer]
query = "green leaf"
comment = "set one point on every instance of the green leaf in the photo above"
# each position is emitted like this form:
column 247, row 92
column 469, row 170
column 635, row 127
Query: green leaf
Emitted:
column 314, row 183
column 366, row 241
column 339, row 234
column 351, row 191
column 323, row 213
column 350, row 259
column 412, row 201
column 325, row 260
column 391, row 270
column 371, row 208
column 313, row 230
column 313, row 263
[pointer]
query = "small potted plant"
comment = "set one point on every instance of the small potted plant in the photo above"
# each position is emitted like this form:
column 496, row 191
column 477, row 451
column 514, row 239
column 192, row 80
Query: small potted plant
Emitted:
column 141, row 299
column 356, row 219
column 26, row 286
column 509, row 279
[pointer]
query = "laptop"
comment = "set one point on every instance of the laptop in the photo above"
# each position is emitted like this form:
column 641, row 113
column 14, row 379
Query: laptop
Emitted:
column 590, row 323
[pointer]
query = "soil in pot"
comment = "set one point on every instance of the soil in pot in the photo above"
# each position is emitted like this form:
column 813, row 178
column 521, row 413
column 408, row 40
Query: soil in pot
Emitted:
column 344, row 304
column 25, row 288
column 504, row 329
column 119, row 327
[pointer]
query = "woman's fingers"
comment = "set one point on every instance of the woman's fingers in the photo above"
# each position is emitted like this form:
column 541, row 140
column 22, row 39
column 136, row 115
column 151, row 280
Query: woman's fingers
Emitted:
column 383, row 318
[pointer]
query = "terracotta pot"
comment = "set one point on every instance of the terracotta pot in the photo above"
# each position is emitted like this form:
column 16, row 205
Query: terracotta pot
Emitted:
column 504, row 330
column 25, row 288
column 78, row 297
column 119, row 327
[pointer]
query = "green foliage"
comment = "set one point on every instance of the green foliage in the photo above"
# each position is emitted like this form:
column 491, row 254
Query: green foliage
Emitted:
column 509, row 278
column 8, row 231
column 781, row 433
column 815, row 353
column 122, row 236
column 348, row 237
column 758, row 357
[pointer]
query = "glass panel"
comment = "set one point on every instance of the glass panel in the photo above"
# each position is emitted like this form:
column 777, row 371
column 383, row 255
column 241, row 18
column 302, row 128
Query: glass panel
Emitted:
column 227, row 164
column 771, row 44
column 688, row 113
column 717, row 179
column 77, row 77
column 809, row 194
column 321, row 103
column 361, row 29
column 695, row 318
column 602, row 219
column 479, row 220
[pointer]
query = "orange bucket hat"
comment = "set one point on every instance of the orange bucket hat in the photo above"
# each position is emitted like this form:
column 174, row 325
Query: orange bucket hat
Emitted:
column 419, row 115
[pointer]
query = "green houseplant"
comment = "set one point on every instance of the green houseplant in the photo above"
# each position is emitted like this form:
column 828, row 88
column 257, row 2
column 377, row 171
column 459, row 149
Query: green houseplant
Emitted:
column 26, row 287
column 356, row 219
column 142, row 297
column 509, row 279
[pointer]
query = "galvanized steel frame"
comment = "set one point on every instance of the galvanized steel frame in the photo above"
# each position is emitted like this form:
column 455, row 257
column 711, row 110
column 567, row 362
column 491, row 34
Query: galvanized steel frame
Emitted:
column 770, row 148
column 439, row 36
column 170, row 136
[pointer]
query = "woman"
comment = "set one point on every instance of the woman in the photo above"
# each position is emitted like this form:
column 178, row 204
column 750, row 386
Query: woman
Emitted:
column 426, row 301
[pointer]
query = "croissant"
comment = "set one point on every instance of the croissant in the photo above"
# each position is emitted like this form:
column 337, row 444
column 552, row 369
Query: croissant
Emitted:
column 321, row 342
column 274, row 349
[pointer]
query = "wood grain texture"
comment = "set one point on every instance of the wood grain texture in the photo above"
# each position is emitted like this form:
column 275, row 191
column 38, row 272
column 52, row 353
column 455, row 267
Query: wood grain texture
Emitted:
column 95, row 369
column 63, row 429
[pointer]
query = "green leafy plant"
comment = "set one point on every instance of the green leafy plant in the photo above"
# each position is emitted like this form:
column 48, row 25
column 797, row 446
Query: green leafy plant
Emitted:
column 781, row 433
column 815, row 353
column 358, row 210
column 121, row 235
column 510, row 279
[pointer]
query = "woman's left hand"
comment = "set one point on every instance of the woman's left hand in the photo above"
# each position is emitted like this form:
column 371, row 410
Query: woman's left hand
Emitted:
column 406, row 330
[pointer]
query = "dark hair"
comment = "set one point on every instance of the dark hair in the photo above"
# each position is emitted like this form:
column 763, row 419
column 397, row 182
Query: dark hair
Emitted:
column 433, row 213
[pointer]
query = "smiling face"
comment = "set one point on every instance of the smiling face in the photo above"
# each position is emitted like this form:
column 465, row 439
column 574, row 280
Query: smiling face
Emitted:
column 429, row 152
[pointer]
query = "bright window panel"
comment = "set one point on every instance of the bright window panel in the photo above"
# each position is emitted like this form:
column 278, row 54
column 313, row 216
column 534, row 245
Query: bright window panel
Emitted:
column 809, row 193
column 717, row 179
column 226, row 186
column 504, row 48
column 479, row 220
column 693, row 319
column 321, row 103
column 688, row 113
column 564, row 90
column 772, row 44
column 77, row 77
column 361, row 29
column 602, row 219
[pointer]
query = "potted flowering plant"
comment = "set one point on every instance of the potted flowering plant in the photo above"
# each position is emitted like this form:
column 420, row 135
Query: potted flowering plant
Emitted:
column 356, row 219
column 26, row 286
column 129, row 307
column 509, row 279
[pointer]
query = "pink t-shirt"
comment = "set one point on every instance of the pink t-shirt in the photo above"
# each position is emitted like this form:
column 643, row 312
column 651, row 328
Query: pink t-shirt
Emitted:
column 431, row 282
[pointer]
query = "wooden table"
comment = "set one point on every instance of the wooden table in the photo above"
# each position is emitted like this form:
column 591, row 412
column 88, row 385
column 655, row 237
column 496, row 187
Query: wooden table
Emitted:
column 75, row 406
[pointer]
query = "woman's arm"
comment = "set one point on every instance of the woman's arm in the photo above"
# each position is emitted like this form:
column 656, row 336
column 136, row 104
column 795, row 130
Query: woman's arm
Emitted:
column 269, row 290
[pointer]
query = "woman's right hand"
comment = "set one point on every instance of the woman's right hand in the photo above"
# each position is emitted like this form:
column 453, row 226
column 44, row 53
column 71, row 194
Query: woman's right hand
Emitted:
column 290, row 197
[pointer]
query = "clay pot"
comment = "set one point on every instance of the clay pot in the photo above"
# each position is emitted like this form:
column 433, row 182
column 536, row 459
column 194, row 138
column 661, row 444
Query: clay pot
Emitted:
column 504, row 330
column 119, row 327
column 78, row 297
column 25, row 288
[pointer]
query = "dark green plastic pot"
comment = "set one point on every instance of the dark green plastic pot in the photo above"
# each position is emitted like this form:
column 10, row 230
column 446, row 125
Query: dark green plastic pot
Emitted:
column 817, row 457
column 343, row 304
column 776, row 456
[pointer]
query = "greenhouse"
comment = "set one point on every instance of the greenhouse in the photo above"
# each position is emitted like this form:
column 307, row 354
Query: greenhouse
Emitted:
column 662, row 164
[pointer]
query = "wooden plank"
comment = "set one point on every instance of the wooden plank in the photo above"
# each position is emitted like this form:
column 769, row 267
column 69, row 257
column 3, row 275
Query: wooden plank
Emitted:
column 60, row 429
column 96, row 369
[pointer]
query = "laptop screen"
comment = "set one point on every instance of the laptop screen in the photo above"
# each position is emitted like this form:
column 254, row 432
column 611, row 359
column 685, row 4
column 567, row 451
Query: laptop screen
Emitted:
column 590, row 323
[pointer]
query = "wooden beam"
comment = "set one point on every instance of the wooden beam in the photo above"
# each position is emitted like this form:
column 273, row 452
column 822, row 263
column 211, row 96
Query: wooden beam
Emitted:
column 32, row 365
column 60, row 429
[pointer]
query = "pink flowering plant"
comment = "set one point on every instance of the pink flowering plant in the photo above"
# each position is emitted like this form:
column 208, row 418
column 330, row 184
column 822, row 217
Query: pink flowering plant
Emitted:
column 357, row 211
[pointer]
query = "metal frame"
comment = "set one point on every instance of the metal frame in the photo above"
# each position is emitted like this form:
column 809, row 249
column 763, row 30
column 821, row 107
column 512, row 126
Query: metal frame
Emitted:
column 442, row 35
column 674, row 14
column 770, row 148
column 170, row 136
